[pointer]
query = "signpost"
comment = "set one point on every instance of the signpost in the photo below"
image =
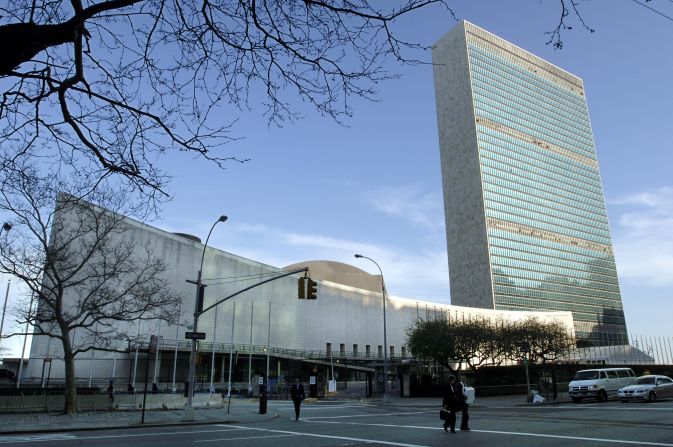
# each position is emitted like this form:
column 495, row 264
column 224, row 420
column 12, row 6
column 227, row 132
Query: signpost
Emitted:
column 195, row 335
column 524, row 348
column 151, row 349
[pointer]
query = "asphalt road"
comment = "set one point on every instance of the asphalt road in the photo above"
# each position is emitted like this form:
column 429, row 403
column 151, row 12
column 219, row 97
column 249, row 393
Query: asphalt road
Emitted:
column 353, row 424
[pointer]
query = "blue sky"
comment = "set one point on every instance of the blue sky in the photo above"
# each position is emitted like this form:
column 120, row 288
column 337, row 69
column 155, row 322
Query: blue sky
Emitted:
column 315, row 189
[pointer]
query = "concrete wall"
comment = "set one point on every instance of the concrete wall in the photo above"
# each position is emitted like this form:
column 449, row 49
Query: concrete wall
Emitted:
column 469, row 266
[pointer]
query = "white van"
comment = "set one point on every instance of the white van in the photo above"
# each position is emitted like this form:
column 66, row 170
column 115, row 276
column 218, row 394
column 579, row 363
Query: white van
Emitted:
column 599, row 383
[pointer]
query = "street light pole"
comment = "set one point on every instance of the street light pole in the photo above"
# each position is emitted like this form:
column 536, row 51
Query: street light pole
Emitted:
column 189, row 409
column 5, row 227
column 386, row 397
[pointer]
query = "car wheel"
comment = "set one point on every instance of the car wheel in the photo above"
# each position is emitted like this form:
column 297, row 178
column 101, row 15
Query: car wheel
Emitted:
column 577, row 400
column 653, row 396
column 602, row 396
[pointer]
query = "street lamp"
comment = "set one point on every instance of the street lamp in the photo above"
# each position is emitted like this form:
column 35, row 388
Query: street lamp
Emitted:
column 385, row 338
column 5, row 227
column 189, row 410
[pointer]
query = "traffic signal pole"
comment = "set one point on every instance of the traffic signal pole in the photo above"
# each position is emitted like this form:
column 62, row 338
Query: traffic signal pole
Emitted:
column 198, row 311
column 293, row 272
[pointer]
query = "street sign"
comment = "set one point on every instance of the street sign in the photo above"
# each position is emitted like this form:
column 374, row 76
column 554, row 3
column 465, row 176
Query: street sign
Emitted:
column 195, row 335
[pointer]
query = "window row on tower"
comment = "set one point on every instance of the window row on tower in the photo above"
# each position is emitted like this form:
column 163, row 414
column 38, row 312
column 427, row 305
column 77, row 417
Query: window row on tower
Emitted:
column 540, row 118
column 508, row 160
column 530, row 152
column 524, row 77
column 501, row 184
column 548, row 249
column 552, row 270
column 501, row 114
column 523, row 255
column 523, row 241
column 525, row 208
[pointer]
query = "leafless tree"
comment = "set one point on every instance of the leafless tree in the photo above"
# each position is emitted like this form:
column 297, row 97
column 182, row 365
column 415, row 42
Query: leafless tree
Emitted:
column 110, row 85
column 82, row 273
column 105, row 87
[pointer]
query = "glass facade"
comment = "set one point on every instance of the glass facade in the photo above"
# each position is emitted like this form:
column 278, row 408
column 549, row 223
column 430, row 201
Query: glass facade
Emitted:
column 547, row 227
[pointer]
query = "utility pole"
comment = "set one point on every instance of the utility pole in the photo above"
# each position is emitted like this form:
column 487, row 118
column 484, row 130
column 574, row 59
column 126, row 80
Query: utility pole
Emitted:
column 231, row 348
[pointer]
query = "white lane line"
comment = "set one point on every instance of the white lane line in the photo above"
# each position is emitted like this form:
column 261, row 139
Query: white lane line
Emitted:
column 242, row 439
column 538, row 435
column 576, row 438
column 129, row 435
column 35, row 438
column 344, row 438
column 367, row 415
column 583, row 407
column 311, row 407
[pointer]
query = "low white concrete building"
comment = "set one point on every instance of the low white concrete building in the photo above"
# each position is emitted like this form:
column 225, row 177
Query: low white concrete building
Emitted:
column 346, row 319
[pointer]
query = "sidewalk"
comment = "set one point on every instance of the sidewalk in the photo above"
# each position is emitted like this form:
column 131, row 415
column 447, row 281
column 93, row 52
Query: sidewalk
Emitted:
column 31, row 423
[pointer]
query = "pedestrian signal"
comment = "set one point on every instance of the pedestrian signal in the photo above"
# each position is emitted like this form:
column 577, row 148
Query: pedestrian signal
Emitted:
column 202, row 295
column 301, row 288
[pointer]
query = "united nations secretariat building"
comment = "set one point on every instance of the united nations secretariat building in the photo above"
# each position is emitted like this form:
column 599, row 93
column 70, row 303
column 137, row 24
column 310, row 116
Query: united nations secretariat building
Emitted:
column 267, row 328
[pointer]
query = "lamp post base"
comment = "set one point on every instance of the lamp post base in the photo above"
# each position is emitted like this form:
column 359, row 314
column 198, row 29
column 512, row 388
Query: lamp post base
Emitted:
column 189, row 414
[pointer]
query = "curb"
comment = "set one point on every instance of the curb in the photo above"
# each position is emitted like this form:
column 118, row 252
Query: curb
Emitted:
column 133, row 426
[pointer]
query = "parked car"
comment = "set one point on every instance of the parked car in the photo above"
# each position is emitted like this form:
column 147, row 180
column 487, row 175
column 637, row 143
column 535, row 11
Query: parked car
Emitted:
column 649, row 388
column 599, row 383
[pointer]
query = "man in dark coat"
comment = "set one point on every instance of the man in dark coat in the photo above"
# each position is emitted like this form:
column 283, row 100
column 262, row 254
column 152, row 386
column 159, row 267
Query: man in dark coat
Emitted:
column 297, row 394
column 451, row 404
column 462, row 405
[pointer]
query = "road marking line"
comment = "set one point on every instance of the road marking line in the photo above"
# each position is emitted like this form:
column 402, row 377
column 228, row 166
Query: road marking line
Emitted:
column 311, row 407
column 74, row 437
column 32, row 438
column 345, row 438
column 367, row 415
column 242, row 439
column 574, row 438
column 587, row 407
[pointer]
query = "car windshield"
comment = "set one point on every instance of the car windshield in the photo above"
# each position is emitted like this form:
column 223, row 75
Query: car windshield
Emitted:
column 645, row 381
column 586, row 375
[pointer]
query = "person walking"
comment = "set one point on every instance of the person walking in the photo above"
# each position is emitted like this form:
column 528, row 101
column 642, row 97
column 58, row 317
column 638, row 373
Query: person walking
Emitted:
column 450, row 403
column 297, row 394
column 111, row 393
column 462, row 405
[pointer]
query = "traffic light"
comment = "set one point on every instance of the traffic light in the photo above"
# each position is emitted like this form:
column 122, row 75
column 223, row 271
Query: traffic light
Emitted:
column 202, row 293
column 301, row 288
column 312, row 289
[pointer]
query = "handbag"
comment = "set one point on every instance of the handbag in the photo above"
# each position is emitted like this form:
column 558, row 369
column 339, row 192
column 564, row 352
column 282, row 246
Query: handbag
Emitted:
column 443, row 414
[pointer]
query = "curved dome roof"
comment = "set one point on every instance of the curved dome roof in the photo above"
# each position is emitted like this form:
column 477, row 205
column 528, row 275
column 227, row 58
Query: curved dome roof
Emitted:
column 340, row 273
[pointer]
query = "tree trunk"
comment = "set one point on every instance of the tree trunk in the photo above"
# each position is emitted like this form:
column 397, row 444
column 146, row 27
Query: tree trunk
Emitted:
column 70, row 380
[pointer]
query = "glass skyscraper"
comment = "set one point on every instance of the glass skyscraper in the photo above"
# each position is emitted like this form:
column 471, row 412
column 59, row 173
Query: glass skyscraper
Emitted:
column 527, row 226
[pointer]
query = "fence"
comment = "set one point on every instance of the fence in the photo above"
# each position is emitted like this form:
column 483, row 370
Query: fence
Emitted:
column 642, row 350
column 96, row 402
